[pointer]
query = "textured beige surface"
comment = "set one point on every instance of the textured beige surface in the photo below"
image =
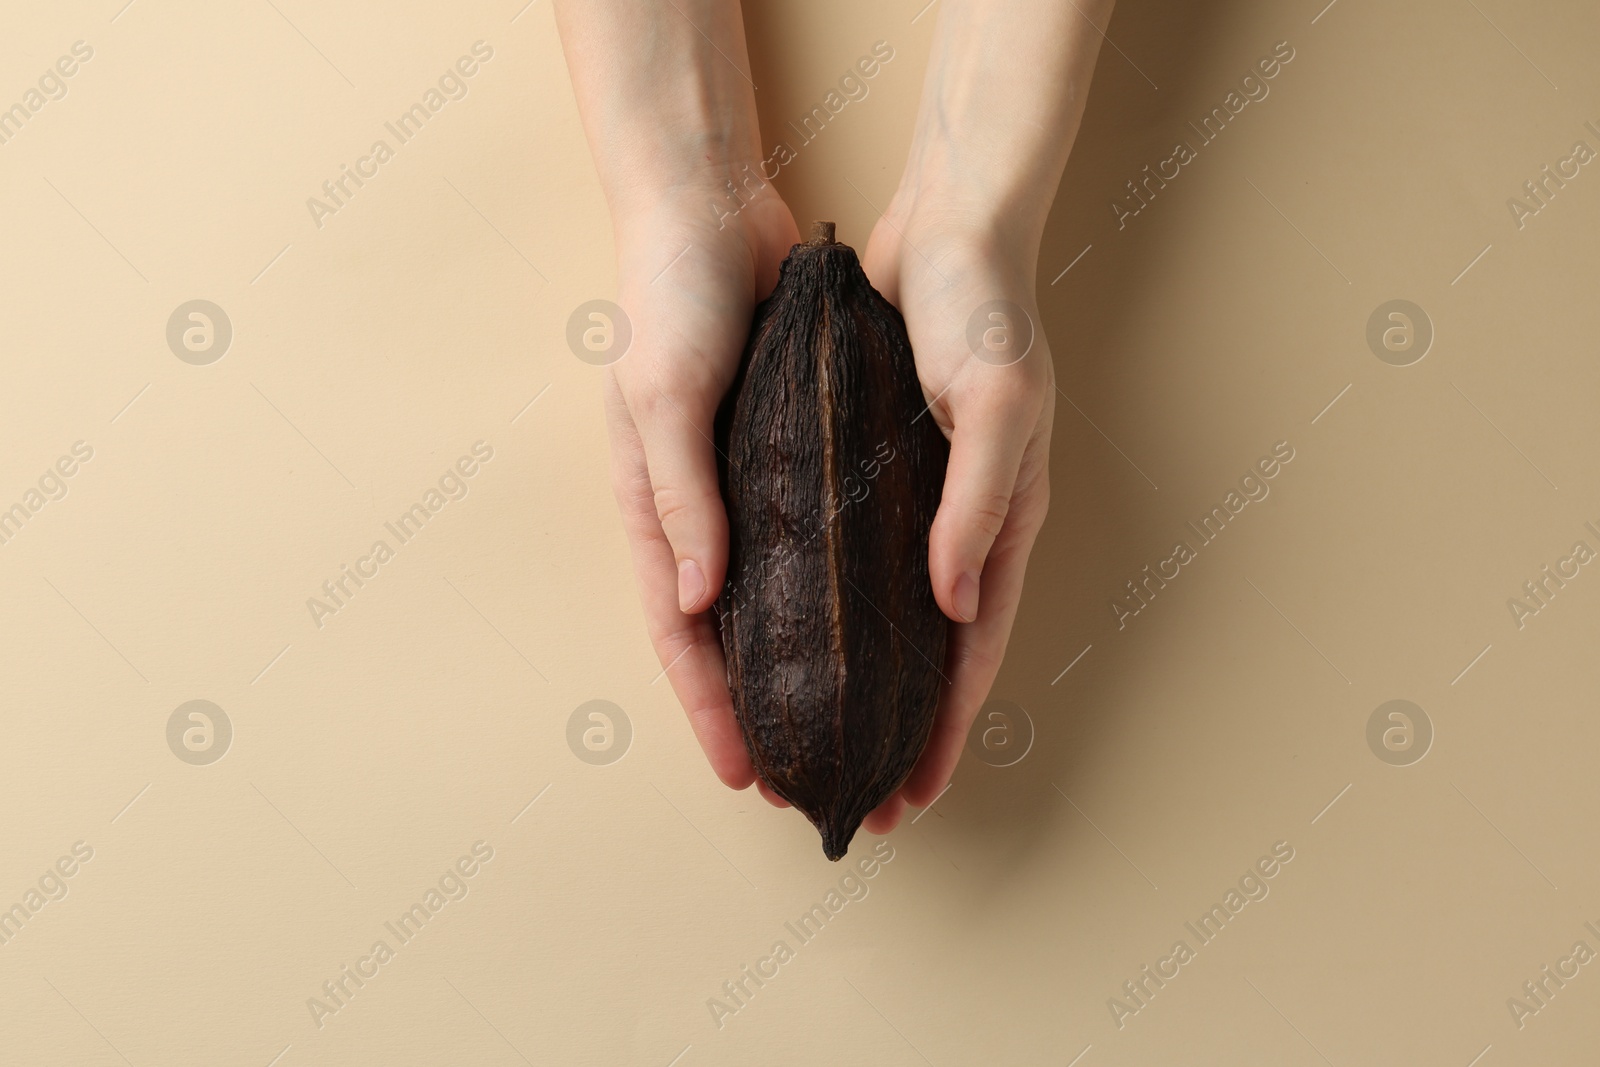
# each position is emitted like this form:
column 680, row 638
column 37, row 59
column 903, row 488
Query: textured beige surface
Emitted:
column 370, row 754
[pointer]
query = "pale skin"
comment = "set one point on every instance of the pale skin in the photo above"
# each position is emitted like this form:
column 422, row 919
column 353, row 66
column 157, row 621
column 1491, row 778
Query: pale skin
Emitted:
column 670, row 117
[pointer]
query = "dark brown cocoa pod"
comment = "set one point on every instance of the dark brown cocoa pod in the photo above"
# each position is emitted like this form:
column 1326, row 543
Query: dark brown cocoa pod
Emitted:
column 832, row 471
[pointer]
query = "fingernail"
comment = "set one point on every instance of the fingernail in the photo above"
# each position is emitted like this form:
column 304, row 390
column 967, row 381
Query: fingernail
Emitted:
column 692, row 585
column 966, row 596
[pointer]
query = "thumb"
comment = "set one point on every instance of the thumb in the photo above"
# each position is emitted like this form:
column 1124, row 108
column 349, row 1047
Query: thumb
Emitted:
column 676, row 432
column 986, row 448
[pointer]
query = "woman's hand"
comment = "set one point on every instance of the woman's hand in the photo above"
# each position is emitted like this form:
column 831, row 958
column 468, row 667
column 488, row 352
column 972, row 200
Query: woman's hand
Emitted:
column 995, row 403
column 958, row 253
column 689, row 286
column 670, row 114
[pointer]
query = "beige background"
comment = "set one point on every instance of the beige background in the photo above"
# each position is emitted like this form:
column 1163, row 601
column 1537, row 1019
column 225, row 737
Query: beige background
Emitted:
column 426, row 315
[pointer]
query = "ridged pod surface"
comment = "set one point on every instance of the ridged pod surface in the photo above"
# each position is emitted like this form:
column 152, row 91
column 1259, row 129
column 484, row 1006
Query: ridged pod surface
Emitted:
column 832, row 471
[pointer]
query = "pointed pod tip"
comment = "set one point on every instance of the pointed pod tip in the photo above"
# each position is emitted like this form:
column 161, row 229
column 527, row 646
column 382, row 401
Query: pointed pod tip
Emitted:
column 836, row 841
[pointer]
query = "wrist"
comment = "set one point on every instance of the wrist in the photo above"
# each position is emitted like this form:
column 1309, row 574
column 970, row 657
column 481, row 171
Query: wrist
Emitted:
column 730, row 215
column 662, row 92
column 938, row 217
column 714, row 187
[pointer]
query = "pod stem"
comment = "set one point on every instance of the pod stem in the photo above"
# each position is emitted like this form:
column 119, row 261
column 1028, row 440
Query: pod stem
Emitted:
column 821, row 234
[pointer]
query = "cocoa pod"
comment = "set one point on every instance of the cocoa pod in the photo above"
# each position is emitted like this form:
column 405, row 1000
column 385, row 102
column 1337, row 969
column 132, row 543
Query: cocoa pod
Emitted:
column 832, row 470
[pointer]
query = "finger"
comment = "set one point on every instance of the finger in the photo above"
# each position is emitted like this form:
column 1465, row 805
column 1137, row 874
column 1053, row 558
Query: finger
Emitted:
column 976, row 649
column 675, row 432
column 686, row 645
column 772, row 798
column 986, row 450
column 885, row 816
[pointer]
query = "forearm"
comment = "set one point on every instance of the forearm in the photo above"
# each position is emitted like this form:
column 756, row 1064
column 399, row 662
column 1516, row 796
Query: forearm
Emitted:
column 1001, row 104
column 663, row 91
